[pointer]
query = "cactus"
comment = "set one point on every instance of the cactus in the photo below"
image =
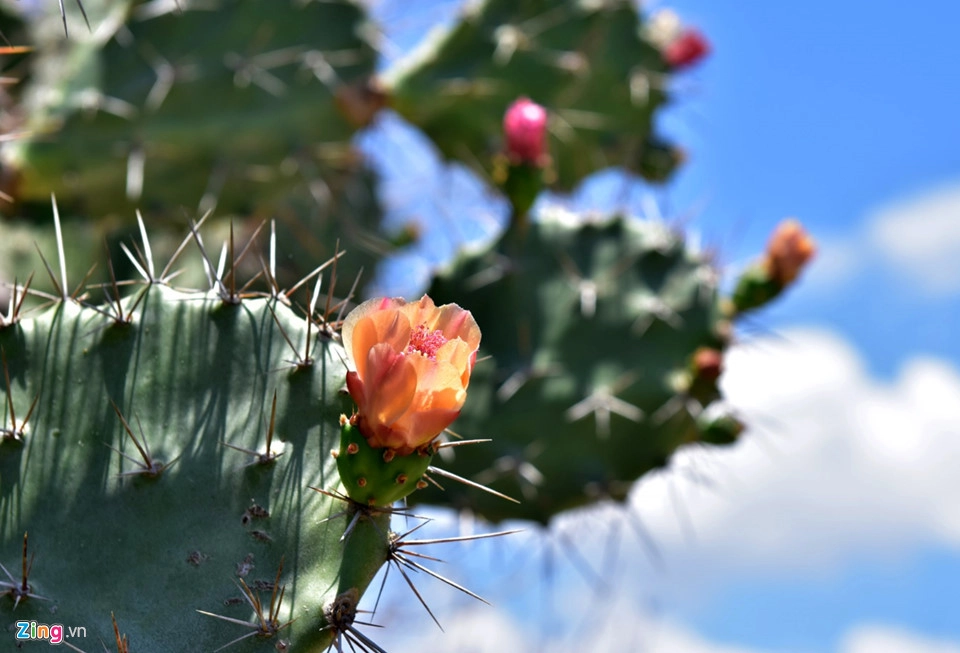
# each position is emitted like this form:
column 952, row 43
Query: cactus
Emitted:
column 167, row 106
column 589, row 63
column 593, row 329
column 157, row 456
column 226, row 104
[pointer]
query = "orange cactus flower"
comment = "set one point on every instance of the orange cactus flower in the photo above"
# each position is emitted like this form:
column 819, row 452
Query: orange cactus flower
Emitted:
column 411, row 364
column 788, row 251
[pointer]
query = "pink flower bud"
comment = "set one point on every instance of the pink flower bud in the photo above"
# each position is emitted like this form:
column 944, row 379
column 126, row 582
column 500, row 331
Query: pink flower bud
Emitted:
column 687, row 49
column 525, row 126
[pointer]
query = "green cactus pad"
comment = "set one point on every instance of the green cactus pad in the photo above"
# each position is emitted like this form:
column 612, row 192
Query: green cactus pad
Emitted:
column 590, row 328
column 155, row 536
column 375, row 477
column 234, row 98
column 586, row 62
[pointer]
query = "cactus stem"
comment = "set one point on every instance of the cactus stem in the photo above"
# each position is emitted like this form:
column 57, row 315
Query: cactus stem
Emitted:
column 16, row 431
column 460, row 479
column 267, row 625
column 149, row 467
column 21, row 591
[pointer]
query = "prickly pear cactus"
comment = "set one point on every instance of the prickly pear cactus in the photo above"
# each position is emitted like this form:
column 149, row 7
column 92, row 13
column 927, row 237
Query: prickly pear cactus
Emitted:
column 157, row 460
column 589, row 62
column 591, row 328
column 190, row 102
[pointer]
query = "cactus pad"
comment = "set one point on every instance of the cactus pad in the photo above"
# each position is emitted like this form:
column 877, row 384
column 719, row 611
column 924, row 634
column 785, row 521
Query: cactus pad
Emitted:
column 144, row 478
column 591, row 328
column 588, row 63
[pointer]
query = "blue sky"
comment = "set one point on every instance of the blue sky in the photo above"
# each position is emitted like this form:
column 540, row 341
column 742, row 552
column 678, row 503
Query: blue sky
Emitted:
column 836, row 528
column 827, row 110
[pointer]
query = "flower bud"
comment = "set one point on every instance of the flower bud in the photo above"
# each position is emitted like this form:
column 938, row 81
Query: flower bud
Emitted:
column 687, row 49
column 788, row 251
column 525, row 129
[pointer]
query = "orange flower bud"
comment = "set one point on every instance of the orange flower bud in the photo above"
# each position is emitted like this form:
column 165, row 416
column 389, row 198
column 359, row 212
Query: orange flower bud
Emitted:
column 789, row 249
column 411, row 364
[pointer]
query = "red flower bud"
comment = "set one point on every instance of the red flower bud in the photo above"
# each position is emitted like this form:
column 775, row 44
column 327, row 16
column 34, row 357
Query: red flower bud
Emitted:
column 525, row 127
column 687, row 49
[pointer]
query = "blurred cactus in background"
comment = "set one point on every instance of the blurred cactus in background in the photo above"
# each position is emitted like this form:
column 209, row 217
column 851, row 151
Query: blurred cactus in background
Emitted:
column 159, row 444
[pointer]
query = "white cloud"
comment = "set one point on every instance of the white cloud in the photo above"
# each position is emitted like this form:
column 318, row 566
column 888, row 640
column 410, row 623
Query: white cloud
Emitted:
column 625, row 627
column 921, row 236
column 619, row 627
column 884, row 639
column 837, row 261
column 837, row 465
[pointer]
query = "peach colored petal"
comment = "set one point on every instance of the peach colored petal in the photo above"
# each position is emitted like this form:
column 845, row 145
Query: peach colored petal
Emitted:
column 460, row 355
column 420, row 311
column 392, row 328
column 362, row 311
column 449, row 319
column 455, row 322
column 390, row 385
column 435, row 375
column 388, row 327
column 431, row 421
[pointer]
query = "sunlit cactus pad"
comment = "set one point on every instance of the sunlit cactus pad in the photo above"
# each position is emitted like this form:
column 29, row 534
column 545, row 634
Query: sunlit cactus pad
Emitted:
column 167, row 519
column 586, row 61
column 590, row 328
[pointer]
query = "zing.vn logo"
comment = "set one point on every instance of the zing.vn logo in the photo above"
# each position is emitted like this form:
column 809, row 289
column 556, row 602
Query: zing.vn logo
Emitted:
column 54, row 633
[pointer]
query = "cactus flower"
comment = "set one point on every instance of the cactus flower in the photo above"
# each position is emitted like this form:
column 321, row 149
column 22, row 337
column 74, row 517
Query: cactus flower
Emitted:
column 525, row 128
column 788, row 251
column 410, row 367
column 687, row 49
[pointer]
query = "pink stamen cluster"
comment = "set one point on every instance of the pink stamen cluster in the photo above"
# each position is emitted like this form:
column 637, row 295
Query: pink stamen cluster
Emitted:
column 426, row 342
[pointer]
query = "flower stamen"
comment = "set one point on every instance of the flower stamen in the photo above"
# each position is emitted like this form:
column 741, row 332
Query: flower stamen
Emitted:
column 425, row 342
